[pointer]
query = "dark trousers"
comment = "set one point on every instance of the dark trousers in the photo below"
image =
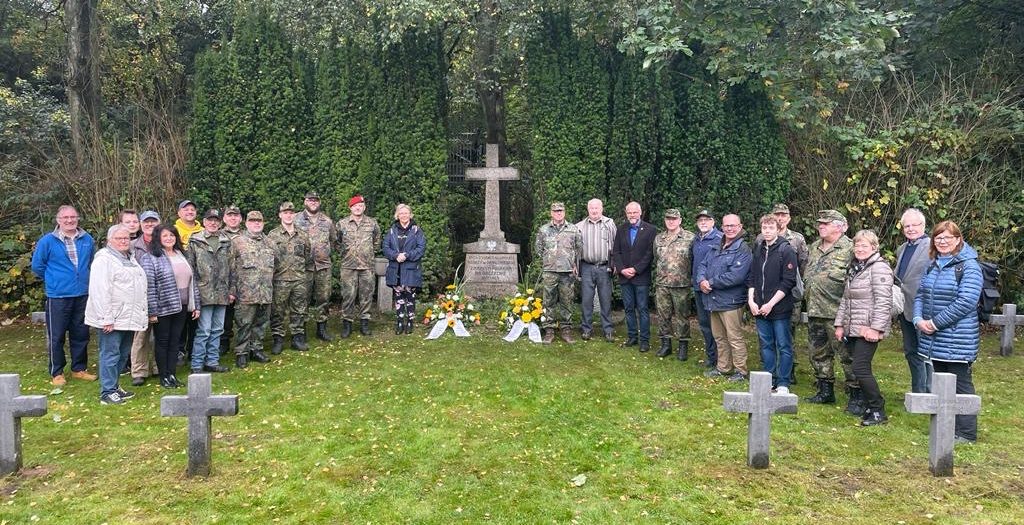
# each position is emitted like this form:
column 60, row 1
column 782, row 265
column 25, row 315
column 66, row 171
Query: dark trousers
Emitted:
column 167, row 334
column 863, row 351
column 596, row 278
column 920, row 378
column 229, row 329
column 635, row 298
column 188, row 337
column 966, row 425
column 65, row 316
column 704, row 318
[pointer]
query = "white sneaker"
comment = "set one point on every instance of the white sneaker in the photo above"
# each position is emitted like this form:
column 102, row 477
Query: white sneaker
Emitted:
column 782, row 390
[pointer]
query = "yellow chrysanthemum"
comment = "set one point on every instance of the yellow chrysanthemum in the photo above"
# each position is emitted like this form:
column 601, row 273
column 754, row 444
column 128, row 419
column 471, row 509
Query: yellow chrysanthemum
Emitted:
column 536, row 304
column 527, row 317
column 504, row 314
column 536, row 313
column 450, row 287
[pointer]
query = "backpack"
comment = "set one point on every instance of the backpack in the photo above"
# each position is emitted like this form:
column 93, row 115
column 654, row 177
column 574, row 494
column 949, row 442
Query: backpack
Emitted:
column 898, row 300
column 989, row 288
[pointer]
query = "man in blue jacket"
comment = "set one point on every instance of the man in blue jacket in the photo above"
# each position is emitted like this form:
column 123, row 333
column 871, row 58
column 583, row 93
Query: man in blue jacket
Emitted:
column 61, row 259
column 722, row 278
column 707, row 238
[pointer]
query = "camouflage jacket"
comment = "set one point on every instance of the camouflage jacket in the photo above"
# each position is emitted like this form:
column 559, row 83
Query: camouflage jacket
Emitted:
column 322, row 237
column 799, row 244
column 251, row 262
column 672, row 258
column 825, row 278
column 208, row 255
column 292, row 254
column 358, row 242
column 230, row 235
column 559, row 247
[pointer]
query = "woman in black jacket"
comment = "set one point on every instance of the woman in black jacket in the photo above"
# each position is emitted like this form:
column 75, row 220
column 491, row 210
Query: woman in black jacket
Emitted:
column 770, row 283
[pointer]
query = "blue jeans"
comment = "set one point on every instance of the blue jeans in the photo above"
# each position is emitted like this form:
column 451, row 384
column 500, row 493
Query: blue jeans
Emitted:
column 776, row 348
column 209, row 328
column 634, row 299
column 66, row 316
column 920, row 377
column 115, row 348
column 704, row 318
column 596, row 279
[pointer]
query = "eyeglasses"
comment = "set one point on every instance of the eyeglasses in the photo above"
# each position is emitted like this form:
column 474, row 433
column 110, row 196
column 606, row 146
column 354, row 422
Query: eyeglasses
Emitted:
column 943, row 239
column 913, row 225
column 730, row 226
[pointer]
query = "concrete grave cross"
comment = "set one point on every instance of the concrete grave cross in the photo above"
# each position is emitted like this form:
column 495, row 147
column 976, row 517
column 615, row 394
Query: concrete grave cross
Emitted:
column 491, row 174
column 1009, row 320
column 944, row 404
column 199, row 407
column 13, row 407
column 760, row 403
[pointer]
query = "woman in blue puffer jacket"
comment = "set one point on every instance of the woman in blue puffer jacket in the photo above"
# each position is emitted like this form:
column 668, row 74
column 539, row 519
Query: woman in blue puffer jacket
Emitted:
column 946, row 314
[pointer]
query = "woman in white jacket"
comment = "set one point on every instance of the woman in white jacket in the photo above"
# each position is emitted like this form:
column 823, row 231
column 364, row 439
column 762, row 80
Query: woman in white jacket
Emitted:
column 116, row 308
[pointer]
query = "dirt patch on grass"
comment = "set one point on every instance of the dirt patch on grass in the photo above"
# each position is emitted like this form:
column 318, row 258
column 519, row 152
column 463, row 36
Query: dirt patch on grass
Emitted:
column 13, row 482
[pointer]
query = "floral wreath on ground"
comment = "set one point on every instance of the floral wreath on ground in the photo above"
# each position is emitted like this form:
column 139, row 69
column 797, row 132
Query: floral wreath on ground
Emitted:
column 525, row 306
column 453, row 305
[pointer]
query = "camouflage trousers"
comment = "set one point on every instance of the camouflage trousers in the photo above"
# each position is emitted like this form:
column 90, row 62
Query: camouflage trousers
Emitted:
column 250, row 325
column 559, row 295
column 290, row 301
column 318, row 284
column 673, row 304
column 824, row 347
column 356, row 293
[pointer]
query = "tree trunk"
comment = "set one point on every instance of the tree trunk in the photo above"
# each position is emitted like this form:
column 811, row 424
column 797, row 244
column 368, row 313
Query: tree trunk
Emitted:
column 83, row 78
column 488, row 83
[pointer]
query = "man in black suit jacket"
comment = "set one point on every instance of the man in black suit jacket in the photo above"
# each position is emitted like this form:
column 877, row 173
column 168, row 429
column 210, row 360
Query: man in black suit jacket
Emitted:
column 632, row 255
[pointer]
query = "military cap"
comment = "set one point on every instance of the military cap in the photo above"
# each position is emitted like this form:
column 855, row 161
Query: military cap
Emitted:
column 312, row 195
column 830, row 215
column 704, row 212
column 672, row 213
column 355, row 200
column 254, row 215
column 232, row 210
column 557, row 206
column 186, row 202
column 211, row 213
column 286, row 206
column 149, row 214
column 780, row 208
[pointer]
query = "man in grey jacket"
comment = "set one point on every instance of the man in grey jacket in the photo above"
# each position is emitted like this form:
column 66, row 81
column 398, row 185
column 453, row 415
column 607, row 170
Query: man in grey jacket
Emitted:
column 911, row 264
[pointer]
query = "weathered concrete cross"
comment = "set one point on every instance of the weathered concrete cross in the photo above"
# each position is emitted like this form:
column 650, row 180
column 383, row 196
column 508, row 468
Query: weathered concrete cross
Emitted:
column 760, row 403
column 1009, row 320
column 13, row 407
column 199, row 407
column 944, row 404
column 492, row 197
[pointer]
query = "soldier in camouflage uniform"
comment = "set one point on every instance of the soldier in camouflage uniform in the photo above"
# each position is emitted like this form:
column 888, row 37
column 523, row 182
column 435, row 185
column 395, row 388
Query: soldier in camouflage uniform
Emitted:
column 358, row 239
column 207, row 252
column 824, row 283
column 231, row 229
column 559, row 248
column 322, row 238
column 673, row 292
column 292, row 255
column 251, row 281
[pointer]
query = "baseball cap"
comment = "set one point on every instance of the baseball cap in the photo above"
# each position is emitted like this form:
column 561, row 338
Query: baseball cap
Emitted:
column 830, row 215
column 254, row 215
column 149, row 214
column 186, row 202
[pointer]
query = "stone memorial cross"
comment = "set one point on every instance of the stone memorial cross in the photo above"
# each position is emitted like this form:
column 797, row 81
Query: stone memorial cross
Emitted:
column 199, row 407
column 944, row 404
column 13, row 407
column 491, row 174
column 492, row 267
column 1009, row 320
column 760, row 403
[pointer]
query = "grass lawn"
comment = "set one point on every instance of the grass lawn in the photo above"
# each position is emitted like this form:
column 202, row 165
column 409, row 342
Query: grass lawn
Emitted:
column 401, row 430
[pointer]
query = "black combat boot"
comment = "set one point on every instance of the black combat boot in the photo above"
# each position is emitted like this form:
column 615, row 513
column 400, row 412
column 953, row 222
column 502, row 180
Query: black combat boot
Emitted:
column 299, row 342
column 666, row 347
column 346, row 329
column 855, row 405
column 399, row 326
column 684, row 349
column 278, row 346
column 364, row 326
column 825, row 394
column 321, row 332
column 260, row 357
column 241, row 361
column 874, row 417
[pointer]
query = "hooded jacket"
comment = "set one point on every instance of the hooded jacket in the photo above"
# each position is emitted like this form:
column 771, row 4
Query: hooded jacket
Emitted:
column 117, row 292
column 953, row 306
column 773, row 268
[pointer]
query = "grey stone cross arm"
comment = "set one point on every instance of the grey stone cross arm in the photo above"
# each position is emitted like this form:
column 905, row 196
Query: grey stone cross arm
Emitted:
column 13, row 407
column 199, row 406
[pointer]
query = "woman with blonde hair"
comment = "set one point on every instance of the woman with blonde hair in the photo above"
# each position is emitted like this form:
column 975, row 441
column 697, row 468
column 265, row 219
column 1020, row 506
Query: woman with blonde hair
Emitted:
column 404, row 246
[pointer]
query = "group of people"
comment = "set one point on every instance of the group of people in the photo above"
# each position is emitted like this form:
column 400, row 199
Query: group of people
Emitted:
column 185, row 291
column 846, row 285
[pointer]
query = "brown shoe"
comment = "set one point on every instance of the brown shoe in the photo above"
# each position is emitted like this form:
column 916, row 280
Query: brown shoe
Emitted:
column 83, row 375
column 567, row 335
column 549, row 336
column 58, row 380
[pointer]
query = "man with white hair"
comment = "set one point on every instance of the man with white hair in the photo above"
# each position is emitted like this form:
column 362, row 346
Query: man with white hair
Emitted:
column 595, row 269
column 911, row 264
